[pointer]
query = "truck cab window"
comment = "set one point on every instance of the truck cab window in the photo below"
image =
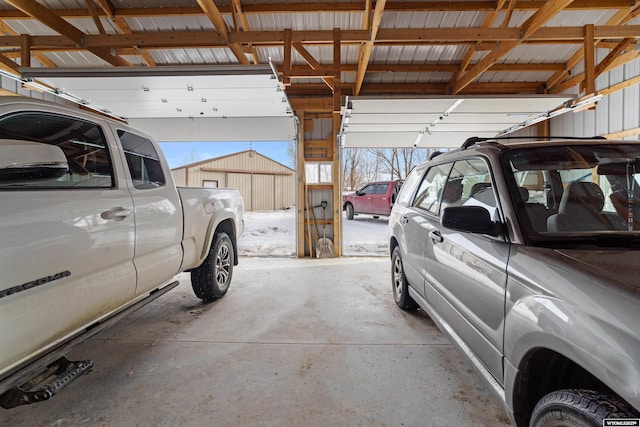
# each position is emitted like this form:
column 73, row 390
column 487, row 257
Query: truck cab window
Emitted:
column 143, row 161
column 82, row 142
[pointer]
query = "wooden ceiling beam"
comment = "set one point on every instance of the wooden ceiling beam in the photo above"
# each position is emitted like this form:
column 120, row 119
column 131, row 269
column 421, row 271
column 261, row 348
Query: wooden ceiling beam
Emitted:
column 239, row 12
column 513, row 88
column 214, row 15
column 366, row 49
column 8, row 65
column 94, row 15
column 5, row 29
column 335, row 6
column 615, row 21
column 471, row 50
column 62, row 27
column 299, row 70
column 547, row 11
column 313, row 64
column 214, row 39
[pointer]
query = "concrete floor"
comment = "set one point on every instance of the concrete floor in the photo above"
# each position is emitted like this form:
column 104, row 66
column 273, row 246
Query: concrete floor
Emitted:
column 296, row 342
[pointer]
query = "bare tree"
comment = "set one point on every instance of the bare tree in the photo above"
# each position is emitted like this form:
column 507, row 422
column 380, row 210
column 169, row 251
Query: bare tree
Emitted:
column 193, row 157
column 291, row 153
column 353, row 167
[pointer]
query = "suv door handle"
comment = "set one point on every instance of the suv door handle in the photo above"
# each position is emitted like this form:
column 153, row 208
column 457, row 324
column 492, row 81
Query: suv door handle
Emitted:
column 436, row 237
column 117, row 213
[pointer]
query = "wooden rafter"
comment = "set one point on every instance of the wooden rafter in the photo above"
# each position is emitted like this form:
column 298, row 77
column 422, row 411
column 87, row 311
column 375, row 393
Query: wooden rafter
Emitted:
column 367, row 47
column 237, row 10
column 5, row 29
column 620, row 17
column 494, row 38
column 213, row 39
column 62, row 27
column 328, row 6
column 547, row 11
column 468, row 56
column 313, row 63
column 212, row 11
column 589, row 60
column 94, row 15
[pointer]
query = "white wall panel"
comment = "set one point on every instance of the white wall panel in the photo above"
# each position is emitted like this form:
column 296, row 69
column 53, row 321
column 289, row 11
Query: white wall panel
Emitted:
column 616, row 112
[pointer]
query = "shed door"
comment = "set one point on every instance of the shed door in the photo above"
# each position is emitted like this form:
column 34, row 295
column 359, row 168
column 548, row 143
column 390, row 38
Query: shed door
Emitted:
column 242, row 183
column 264, row 188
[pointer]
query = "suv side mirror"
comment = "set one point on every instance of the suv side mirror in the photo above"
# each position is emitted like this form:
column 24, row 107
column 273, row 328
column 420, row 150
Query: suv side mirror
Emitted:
column 22, row 161
column 470, row 219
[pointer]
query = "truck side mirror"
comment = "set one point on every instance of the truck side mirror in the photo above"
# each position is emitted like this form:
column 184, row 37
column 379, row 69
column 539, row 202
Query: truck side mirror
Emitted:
column 23, row 161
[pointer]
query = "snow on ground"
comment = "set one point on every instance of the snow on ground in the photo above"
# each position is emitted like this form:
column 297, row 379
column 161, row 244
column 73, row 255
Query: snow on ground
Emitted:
column 273, row 234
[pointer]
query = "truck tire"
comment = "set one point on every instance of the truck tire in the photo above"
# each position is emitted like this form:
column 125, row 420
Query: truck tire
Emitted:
column 211, row 280
column 399, row 283
column 579, row 408
column 350, row 212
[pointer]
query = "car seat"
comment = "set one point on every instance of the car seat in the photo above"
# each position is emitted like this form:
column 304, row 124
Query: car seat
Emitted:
column 581, row 210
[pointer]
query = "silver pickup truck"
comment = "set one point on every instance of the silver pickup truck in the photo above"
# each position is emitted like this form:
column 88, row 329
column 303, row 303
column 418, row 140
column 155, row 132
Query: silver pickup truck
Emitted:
column 92, row 227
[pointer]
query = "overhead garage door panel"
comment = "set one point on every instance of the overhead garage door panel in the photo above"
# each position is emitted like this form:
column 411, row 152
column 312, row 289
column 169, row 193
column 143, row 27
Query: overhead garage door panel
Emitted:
column 446, row 122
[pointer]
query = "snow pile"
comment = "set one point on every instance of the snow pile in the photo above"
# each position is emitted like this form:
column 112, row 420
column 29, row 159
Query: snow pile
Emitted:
column 274, row 234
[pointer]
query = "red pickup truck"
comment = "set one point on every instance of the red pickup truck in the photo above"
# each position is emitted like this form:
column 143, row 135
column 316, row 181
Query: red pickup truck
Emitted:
column 375, row 198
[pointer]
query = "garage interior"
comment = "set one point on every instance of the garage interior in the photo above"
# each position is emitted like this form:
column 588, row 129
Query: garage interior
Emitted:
column 334, row 75
column 324, row 60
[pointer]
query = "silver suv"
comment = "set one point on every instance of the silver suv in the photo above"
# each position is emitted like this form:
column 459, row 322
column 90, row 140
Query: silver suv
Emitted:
column 527, row 255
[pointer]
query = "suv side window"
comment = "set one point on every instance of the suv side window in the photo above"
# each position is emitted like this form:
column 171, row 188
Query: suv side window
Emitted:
column 430, row 189
column 469, row 184
column 143, row 161
column 406, row 190
column 82, row 143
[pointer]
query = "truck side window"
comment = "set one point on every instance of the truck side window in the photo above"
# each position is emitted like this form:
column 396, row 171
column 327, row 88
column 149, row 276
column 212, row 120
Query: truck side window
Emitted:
column 82, row 143
column 381, row 188
column 143, row 161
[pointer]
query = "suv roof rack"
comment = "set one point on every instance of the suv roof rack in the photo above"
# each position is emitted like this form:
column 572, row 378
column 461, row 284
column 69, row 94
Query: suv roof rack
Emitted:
column 471, row 141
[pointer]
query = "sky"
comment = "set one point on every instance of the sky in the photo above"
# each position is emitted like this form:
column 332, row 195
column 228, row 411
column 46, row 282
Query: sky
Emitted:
column 182, row 153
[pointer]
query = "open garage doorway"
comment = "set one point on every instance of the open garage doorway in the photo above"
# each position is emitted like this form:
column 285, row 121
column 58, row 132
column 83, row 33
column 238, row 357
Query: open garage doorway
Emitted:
column 384, row 138
column 371, row 180
column 218, row 126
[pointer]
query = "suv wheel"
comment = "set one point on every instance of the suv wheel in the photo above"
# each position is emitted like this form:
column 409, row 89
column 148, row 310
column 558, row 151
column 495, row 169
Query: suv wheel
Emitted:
column 211, row 280
column 399, row 283
column 579, row 408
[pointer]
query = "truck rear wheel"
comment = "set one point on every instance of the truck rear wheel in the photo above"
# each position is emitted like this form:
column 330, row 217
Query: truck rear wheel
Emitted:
column 350, row 212
column 211, row 280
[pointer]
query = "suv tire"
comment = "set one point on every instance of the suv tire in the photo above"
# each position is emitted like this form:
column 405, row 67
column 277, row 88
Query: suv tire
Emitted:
column 580, row 408
column 399, row 283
